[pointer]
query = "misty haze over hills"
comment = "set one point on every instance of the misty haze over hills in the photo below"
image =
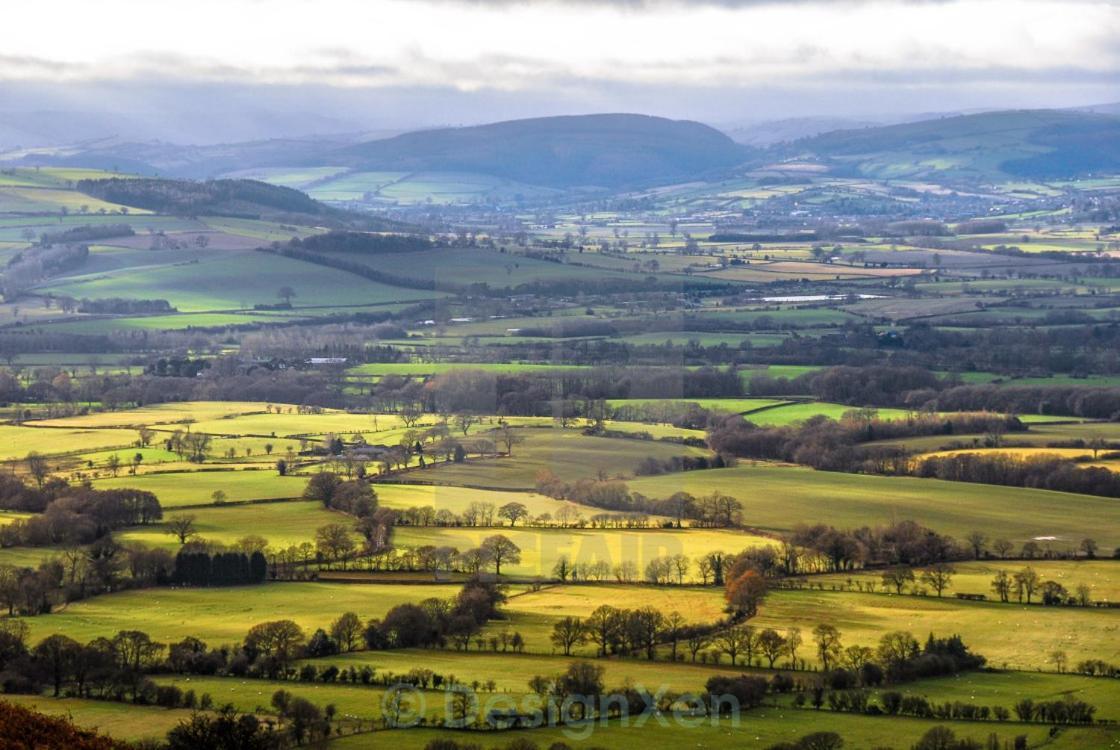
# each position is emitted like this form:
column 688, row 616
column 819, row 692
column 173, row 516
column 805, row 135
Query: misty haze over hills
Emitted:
column 623, row 151
column 36, row 114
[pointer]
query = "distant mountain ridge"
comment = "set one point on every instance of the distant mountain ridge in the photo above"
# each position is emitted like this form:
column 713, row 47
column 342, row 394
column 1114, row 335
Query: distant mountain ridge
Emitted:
column 609, row 150
column 622, row 151
column 1037, row 144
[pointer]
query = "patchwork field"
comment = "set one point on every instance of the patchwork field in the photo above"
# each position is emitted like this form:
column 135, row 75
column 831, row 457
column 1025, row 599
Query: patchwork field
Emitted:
column 731, row 283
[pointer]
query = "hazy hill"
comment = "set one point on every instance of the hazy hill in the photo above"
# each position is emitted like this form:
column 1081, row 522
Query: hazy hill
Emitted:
column 988, row 146
column 158, row 158
column 1111, row 108
column 771, row 132
column 612, row 150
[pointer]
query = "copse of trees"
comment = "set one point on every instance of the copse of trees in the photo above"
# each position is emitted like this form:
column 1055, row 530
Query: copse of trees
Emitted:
column 79, row 572
column 568, row 394
column 637, row 632
column 362, row 243
column 838, row 445
column 919, row 388
column 30, row 266
column 716, row 510
column 820, row 547
column 650, row 466
column 355, row 497
column 202, row 568
column 1088, row 402
column 1041, row 471
column 436, row 622
column 123, row 306
column 831, row 445
column 86, row 233
column 119, row 669
column 579, row 693
column 683, row 414
column 69, row 515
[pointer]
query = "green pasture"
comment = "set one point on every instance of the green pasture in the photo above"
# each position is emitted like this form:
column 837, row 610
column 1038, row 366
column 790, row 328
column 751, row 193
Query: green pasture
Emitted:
column 205, row 285
column 779, row 316
column 12, row 227
column 452, row 188
column 776, row 371
column 457, row 499
column 655, row 431
column 175, row 322
column 197, row 487
column 255, row 695
column 27, row 199
column 1041, row 433
column 463, row 266
column 291, row 425
column 788, row 414
column 224, row 615
column 1009, row 635
column 293, row 177
column 568, row 453
column 416, row 369
column 1006, row 688
column 687, row 338
column 282, row 524
column 731, row 405
column 975, row 577
column 27, row 557
column 123, row 721
column 238, row 418
column 511, row 671
column 779, row 497
column 16, row 441
column 159, row 414
column 258, row 229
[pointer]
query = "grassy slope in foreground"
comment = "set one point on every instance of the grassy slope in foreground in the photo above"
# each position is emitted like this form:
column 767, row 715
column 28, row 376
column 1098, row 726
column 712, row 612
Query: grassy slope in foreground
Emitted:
column 778, row 497
column 757, row 729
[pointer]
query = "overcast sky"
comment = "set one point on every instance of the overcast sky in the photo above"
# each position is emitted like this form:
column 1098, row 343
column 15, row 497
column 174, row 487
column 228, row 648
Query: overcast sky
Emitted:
column 396, row 63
